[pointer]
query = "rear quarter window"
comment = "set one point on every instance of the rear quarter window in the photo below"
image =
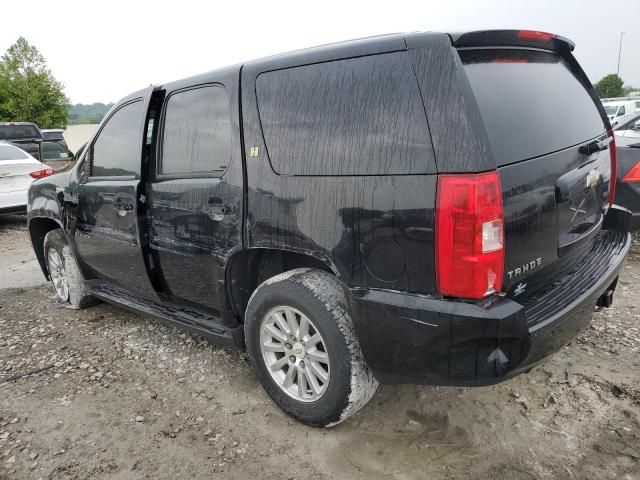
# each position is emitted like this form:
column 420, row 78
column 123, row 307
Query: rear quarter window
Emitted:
column 530, row 101
column 360, row 116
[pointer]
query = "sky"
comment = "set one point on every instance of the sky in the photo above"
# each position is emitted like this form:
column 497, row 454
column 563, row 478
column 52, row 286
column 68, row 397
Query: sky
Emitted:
column 103, row 50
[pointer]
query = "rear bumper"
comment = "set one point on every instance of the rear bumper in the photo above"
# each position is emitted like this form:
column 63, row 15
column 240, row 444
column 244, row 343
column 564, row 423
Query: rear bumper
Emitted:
column 409, row 338
column 13, row 202
column 635, row 221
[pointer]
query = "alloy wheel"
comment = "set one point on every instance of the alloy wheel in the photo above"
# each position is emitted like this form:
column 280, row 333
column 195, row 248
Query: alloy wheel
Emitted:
column 58, row 275
column 295, row 353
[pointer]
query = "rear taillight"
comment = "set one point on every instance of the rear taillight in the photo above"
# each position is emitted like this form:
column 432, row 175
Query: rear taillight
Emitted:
column 614, row 167
column 45, row 172
column 469, row 235
column 633, row 175
column 535, row 35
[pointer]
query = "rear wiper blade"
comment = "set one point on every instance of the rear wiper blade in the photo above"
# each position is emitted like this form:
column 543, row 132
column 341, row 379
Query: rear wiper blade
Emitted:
column 595, row 146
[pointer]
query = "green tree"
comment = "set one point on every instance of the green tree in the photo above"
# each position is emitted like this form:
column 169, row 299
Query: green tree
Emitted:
column 28, row 90
column 610, row 86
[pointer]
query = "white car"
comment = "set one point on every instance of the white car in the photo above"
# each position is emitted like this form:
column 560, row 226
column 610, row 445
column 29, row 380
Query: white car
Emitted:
column 17, row 170
column 628, row 132
column 620, row 111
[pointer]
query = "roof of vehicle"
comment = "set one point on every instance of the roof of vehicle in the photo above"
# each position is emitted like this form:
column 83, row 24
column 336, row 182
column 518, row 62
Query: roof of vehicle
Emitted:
column 377, row 44
column 616, row 103
column 52, row 130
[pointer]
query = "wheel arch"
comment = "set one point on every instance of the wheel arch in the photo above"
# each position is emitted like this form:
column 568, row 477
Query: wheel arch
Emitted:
column 248, row 268
column 38, row 229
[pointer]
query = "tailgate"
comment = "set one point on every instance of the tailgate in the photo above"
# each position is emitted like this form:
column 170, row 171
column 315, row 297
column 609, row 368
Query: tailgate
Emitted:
column 551, row 147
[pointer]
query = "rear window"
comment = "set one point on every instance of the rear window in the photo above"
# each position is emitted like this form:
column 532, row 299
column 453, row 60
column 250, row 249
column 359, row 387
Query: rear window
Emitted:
column 17, row 132
column 530, row 101
column 11, row 153
column 360, row 116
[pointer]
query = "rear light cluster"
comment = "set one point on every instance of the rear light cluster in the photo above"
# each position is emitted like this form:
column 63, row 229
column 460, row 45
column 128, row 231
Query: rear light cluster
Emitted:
column 535, row 35
column 614, row 167
column 469, row 235
column 633, row 175
column 45, row 172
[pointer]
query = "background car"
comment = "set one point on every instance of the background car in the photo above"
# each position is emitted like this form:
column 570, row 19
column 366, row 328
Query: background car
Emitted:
column 17, row 170
column 25, row 135
column 620, row 111
column 629, row 129
column 628, row 186
column 54, row 135
column 56, row 156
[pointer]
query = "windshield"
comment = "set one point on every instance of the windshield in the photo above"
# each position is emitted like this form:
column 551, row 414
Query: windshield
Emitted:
column 611, row 109
column 16, row 132
column 7, row 152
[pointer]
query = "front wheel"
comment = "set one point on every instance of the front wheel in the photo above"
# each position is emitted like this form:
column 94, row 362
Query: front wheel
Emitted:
column 301, row 342
column 66, row 278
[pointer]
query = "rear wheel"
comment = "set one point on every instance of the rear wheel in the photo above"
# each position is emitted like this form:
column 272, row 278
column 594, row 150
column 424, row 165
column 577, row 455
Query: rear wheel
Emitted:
column 301, row 342
column 66, row 278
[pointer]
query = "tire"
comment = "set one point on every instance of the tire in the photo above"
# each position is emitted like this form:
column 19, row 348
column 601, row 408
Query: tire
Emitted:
column 66, row 278
column 343, row 382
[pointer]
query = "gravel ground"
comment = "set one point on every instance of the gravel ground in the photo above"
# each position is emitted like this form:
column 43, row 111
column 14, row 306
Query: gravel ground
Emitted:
column 103, row 393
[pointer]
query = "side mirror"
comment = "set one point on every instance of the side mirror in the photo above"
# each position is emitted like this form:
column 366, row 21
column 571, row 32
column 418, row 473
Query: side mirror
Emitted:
column 56, row 155
column 636, row 126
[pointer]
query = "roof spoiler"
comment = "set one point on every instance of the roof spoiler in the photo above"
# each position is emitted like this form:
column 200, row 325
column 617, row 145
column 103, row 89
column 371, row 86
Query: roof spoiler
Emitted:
column 512, row 38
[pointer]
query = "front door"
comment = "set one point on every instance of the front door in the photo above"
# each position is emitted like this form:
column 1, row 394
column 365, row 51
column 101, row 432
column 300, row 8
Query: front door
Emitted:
column 107, row 234
column 194, row 210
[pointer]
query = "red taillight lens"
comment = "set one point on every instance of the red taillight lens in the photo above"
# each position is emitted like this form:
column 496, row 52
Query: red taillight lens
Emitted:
column 614, row 167
column 43, row 173
column 535, row 35
column 469, row 235
column 633, row 175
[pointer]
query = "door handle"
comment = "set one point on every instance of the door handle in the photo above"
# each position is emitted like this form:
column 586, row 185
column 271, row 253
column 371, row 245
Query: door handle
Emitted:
column 123, row 206
column 215, row 211
column 218, row 209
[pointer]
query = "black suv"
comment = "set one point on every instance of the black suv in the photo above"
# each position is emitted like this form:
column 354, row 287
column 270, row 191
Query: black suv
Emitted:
column 427, row 208
column 25, row 135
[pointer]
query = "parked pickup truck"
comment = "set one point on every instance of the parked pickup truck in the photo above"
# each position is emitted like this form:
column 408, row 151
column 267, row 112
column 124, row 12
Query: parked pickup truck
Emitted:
column 401, row 209
column 25, row 135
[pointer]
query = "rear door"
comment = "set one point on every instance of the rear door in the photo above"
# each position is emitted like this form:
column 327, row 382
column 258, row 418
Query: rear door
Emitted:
column 551, row 147
column 108, row 237
column 195, row 214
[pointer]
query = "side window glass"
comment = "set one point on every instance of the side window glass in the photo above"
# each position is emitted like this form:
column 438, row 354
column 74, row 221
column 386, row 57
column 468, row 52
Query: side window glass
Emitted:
column 622, row 111
column 116, row 152
column 359, row 116
column 197, row 132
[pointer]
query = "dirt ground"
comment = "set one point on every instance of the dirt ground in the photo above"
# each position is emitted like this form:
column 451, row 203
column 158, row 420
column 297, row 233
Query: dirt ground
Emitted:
column 121, row 396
